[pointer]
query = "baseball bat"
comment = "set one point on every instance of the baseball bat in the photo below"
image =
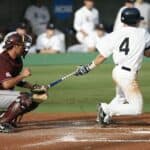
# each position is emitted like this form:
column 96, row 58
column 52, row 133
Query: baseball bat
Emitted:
column 52, row 84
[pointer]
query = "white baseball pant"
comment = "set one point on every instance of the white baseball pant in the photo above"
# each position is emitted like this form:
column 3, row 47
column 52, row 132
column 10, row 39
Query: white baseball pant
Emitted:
column 129, row 100
column 7, row 98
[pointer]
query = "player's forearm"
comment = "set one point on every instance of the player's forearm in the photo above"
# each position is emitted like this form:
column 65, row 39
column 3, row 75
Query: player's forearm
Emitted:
column 98, row 60
column 10, row 83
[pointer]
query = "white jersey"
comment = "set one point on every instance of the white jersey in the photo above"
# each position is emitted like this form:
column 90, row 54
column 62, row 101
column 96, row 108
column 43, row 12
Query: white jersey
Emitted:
column 86, row 19
column 127, row 46
column 54, row 42
column 118, row 24
column 38, row 17
column 144, row 9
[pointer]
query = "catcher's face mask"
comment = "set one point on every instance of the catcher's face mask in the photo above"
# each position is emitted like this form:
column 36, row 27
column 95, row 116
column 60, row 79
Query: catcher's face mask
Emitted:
column 27, row 45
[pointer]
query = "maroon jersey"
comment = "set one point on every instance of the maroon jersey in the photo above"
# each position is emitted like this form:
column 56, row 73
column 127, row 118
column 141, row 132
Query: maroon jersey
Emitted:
column 9, row 67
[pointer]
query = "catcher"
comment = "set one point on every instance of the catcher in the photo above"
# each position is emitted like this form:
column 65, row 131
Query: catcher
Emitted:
column 15, row 103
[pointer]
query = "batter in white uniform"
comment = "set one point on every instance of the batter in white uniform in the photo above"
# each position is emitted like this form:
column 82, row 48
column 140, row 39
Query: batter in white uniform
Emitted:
column 85, row 20
column 128, row 47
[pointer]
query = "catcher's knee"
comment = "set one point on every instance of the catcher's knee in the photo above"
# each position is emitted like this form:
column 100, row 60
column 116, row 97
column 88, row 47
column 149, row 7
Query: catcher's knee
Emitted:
column 25, row 101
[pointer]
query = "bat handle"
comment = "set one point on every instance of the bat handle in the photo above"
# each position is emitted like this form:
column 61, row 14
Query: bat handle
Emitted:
column 54, row 83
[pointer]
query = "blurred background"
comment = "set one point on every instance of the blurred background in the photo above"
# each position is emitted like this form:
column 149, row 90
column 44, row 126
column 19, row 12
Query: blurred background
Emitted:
column 61, row 14
column 12, row 11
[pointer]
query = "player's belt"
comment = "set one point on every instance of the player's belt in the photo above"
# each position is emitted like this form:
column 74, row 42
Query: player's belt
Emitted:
column 125, row 68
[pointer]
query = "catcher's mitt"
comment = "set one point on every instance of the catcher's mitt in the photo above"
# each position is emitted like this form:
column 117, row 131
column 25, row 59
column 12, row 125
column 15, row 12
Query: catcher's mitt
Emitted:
column 39, row 93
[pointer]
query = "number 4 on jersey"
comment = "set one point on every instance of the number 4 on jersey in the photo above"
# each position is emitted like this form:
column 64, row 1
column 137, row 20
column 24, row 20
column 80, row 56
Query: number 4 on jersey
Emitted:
column 124, row 47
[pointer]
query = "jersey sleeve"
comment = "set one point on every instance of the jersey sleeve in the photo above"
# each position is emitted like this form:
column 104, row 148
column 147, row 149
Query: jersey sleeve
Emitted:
column 105, row 45
column 77, row 21
column 97, row 16
column 147, row 41
column 4, row 72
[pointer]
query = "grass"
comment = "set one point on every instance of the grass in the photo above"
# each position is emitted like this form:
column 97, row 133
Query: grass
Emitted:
column 81, row 94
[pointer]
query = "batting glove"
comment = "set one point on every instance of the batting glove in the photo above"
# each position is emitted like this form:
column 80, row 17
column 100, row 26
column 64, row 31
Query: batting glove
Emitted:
column 82, row 70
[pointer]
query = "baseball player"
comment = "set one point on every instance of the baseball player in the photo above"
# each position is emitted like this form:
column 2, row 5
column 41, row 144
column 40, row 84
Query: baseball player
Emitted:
column 144, row 9
column 50, row 42
column 85, row 20
column 128, row 47
column 128, row 4
column 90, row 41
column 15, row 103
column 38, row 16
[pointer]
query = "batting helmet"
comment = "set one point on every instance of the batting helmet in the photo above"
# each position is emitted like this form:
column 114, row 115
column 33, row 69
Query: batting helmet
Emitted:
column 131, row 16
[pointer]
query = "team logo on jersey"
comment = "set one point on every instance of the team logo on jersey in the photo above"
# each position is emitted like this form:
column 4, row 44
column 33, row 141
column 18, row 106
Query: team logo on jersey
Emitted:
column 8, row 74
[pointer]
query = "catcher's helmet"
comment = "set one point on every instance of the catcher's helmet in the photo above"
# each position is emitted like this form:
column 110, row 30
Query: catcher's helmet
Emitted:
column 12, row 40
column 131, row 16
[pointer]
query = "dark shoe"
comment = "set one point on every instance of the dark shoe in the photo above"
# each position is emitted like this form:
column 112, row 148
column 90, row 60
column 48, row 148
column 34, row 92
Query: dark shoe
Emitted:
column 16, row 121
column 6, row 128
column 102, row 117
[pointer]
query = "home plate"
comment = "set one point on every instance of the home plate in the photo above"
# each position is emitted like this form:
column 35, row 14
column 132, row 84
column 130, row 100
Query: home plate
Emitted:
column 68, row 138
column 141, row 132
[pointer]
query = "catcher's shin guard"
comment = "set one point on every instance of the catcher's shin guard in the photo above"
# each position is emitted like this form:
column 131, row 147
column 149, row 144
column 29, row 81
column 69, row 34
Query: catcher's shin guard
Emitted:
column 16, row 108
column 18, row 118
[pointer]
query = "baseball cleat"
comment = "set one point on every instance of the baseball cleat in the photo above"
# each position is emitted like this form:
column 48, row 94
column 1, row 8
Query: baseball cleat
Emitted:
column 6, row 128
column 102, row 117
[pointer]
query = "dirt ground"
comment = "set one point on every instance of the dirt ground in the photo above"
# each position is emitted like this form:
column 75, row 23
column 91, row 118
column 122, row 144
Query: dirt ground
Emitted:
column 40, row 131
